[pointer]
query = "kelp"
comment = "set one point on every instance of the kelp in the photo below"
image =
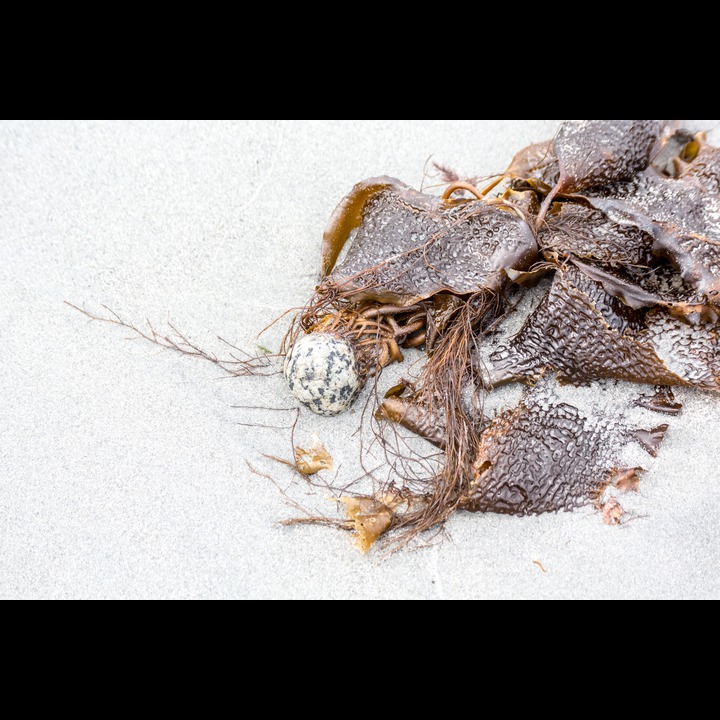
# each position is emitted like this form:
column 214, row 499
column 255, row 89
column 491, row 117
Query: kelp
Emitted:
column 546, row 456
column 594, row 153
column 682, row 218
column 582, row 334
column 625, row 222
column 621, row 221
column 410, row 246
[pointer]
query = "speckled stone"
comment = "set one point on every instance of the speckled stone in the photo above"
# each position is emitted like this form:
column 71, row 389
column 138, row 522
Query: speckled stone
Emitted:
column 322, row 374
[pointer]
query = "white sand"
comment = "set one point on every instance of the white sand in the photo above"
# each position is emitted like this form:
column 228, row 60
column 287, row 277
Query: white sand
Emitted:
column 123, row 469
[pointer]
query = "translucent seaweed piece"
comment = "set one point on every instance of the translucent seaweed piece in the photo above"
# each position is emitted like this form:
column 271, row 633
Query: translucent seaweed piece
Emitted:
column 680, row 145
column 368, row 519
column 627, row 480
column 313, row 460
column 537, row 163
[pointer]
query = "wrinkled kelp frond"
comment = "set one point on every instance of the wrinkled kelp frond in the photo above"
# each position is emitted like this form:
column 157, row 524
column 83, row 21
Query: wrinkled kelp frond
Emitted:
column 548, row 456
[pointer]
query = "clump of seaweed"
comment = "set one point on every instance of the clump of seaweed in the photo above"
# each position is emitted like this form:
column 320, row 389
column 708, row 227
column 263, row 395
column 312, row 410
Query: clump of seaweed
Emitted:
column 620, row 221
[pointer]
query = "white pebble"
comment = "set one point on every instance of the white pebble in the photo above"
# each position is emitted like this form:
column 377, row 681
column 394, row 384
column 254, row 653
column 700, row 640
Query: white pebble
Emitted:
column 322, row 373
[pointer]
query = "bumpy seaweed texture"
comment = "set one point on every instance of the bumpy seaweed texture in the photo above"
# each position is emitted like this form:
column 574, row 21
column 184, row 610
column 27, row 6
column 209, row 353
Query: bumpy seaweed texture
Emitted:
column 599, row 152
column 582, row 333
column 683, row 219
column 691, row 351
column 595, row 153
column 704, row 169
column 588, row 234
column 411, row 246
column 545, row 456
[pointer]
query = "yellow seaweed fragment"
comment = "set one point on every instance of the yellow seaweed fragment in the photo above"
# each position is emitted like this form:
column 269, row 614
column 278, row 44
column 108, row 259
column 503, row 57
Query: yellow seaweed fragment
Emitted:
column 368, row 519
column 313, row 460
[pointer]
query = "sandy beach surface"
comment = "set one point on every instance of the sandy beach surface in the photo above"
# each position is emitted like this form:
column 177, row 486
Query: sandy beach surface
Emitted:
column 129, row 472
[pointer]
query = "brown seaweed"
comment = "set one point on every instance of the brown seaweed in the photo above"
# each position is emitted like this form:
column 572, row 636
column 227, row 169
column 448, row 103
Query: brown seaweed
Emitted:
column 662, row 401
column 627, row 229
column 582, row 333
column 582, row 232
column 624, row 216
column 595, row 153
column 600, row 152
column 546, row 456
column 412, row 416
column 410, row 246
column 683, row 219
column 348, row 216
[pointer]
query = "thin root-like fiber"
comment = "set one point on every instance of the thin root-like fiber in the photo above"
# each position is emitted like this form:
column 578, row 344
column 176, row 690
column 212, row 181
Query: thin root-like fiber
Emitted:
column 443, row 388
column 238, row 363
